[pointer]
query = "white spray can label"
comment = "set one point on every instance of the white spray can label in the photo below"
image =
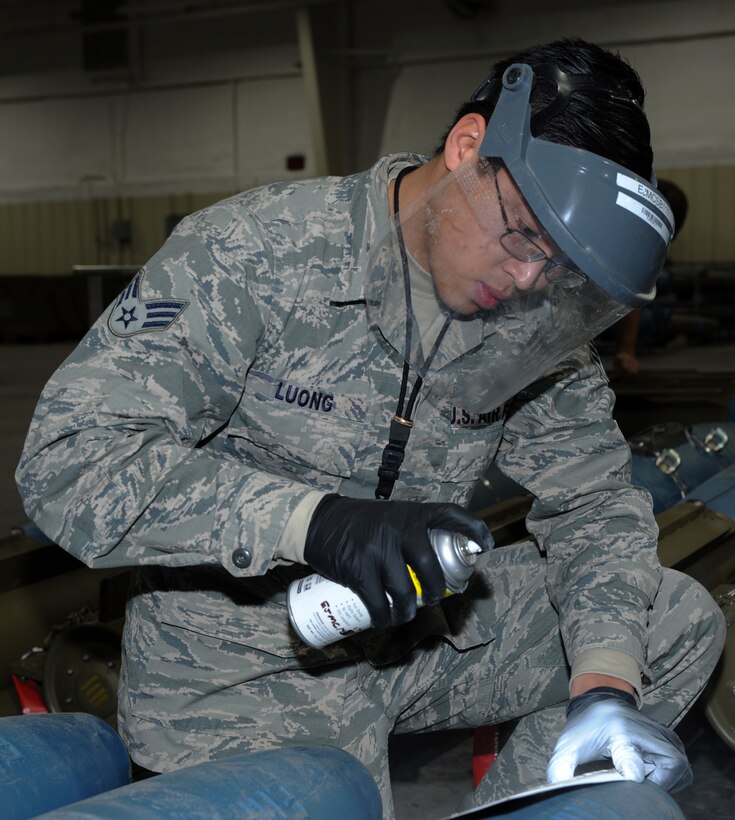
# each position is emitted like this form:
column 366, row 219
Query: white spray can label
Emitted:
column 322, row 611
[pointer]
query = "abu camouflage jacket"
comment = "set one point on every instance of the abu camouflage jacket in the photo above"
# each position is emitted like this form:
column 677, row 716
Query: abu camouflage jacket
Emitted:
column 237, row 372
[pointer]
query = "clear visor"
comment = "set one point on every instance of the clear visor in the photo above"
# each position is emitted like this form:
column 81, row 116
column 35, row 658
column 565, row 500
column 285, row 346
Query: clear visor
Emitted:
column 611, row 222
column 469, row 289
column 520, row 233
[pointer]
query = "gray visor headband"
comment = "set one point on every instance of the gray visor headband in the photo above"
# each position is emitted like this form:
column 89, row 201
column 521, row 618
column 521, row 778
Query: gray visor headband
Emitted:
column 611, row 223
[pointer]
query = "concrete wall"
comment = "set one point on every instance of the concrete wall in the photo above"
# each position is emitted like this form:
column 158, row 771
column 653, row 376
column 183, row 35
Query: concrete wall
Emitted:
column 684, row 52
column 217, row 130
column 209, row 109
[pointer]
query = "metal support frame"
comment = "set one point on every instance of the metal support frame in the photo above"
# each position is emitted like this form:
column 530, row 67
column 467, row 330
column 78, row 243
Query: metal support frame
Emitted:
column 312, row 94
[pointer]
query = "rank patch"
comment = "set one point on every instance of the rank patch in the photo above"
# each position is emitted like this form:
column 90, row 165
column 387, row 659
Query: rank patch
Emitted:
column 132, row 314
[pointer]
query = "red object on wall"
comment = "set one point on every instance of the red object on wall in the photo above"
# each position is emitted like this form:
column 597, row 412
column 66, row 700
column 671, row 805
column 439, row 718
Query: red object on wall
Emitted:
column 295, row 162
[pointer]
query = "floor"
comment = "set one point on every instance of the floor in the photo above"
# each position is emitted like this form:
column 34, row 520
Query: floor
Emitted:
column 431, row 773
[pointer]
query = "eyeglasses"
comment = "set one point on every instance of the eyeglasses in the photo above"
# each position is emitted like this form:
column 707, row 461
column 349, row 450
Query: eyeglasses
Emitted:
column 520, row 246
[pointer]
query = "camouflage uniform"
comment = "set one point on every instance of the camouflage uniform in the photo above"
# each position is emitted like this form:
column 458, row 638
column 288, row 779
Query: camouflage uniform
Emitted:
column 236, row 374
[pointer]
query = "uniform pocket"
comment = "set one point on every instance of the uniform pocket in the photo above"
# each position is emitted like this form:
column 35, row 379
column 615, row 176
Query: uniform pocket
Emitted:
column 303, row 427
column 251, row 614
column 470, row 451
column 235, row 681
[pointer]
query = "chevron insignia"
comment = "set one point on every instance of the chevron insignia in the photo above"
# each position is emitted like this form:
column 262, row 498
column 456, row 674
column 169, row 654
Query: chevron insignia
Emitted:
column 131, row 314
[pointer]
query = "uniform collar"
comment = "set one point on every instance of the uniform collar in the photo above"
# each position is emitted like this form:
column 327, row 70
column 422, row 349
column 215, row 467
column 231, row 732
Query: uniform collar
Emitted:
column 370, row 215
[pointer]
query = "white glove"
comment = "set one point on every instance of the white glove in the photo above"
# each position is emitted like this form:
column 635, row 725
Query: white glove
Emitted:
column 604, row 723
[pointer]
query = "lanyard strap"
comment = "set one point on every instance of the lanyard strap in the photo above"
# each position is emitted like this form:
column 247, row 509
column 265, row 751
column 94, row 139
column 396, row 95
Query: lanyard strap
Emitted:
column 401, row 423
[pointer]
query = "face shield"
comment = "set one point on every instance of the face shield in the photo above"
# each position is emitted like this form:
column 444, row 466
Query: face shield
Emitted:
column 611, row 223
column 513, row 260
column 475, row 295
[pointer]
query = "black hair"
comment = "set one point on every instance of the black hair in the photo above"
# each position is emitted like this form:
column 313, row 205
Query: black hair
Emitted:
column 677, row 199
column 606, row 118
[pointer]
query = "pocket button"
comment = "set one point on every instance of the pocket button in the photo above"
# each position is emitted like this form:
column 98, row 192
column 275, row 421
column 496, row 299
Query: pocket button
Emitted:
column 242, row 558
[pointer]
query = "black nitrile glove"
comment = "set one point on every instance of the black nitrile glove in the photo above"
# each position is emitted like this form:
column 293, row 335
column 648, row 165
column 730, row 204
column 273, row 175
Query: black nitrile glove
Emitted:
column 604, row 723
column 365, row 545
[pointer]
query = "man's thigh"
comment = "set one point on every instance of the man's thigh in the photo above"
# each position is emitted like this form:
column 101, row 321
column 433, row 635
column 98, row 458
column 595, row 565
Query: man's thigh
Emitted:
column 519, row 668
column 286, row 709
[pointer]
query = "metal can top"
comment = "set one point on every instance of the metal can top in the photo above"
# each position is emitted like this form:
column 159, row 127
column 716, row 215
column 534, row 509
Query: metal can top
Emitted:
column 457, row 555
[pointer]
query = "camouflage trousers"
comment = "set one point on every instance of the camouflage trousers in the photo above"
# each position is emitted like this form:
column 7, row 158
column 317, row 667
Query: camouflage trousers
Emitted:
column 521, row 673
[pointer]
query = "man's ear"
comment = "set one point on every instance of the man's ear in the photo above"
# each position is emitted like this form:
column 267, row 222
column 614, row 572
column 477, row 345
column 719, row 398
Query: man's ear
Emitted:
column 464, row 140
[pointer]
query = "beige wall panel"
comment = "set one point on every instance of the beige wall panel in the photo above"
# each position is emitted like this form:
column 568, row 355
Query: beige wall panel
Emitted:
column 51, row 238
column 724, row 214
column 701, row 212
column 71, row 229
column 8, row 243
column 148, row 215
column 18, row 248
column 708, row 235
column 85, row 210
column 39, row 234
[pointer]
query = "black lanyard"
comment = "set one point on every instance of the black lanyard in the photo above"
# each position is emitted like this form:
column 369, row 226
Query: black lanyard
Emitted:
column 401, row 423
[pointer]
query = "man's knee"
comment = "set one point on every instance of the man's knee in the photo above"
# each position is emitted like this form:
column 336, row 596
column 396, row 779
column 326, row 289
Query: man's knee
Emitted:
column 687, row 607
column 686, row 638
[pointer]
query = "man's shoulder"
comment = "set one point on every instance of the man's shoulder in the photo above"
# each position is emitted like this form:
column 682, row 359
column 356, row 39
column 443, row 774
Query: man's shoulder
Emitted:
column 297, row 201
column 280, row 215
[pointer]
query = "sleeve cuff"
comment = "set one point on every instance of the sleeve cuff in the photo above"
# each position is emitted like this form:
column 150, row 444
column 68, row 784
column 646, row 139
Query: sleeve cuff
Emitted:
column 292, row 542
column 609, row 662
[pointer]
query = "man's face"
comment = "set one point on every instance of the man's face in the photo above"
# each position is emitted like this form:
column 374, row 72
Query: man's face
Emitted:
column 471, row 269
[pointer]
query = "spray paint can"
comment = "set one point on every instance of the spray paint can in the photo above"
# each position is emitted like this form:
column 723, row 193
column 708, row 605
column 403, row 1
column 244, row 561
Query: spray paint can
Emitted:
column 322, row 611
